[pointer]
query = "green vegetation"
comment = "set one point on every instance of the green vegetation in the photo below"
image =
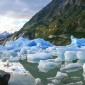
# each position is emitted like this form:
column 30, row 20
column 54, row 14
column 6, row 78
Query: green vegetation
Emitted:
column 70, row 23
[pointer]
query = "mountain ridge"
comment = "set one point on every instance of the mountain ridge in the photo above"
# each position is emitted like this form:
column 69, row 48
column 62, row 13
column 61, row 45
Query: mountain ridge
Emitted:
column 56, row 22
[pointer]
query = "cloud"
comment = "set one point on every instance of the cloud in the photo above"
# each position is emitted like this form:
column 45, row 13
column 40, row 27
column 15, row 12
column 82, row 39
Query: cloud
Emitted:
column 15, row 13
column 11, row 24
column 21, row 8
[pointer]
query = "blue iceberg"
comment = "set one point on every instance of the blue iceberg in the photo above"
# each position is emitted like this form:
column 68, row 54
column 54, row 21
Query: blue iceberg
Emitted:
column 75, row 42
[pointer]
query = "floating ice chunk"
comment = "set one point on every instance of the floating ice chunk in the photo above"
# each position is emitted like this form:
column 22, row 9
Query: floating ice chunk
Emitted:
column 53, row 53
column 23, row 57
column 71, row 67
column 4, row 59
column 32, row 43
column 17, row 49
column 11, row 45
column 2, row 47
column 84, row 67
column 52, row 48
column 42, row 43
column 5, row 54
column 17, row 43
column 70, row 55
column 50, row 84
column 76, row 83
column 58, row 60
column 12, row 53
column 37, row 81
column 45, row 65
column 35, row 48
column 14, row 59
column 75, row 42
column 81, row 62
column 60, row 53
column 23, row 51
column 22, row 54
column 55, row 81
column 36, row 57
column 22, row 41
column 61, row 75
column 66, row 63
column 80, row 55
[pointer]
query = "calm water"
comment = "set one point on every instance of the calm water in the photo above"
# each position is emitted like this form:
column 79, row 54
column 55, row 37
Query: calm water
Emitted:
column 74, row 78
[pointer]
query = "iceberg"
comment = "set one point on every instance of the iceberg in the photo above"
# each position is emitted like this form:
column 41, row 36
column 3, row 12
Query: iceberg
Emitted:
column 46, row 65
column 14, row 59
column 50, row 84
column 80, row 55
column 59, row 78
column 17, row 43
column 84, row 67
column 36, row 57
column 12, row 53
column 5, row 54
column 76, row 83
column 11, row 45
column 58, row 60
column 72, row 67
column 32, row 43
column 70, row 55
column 37, row 81
column 20, row 42
column 52, row 50
column 55, row 81
column 60, row 75
column 34, row 49
column 75, row 42
column 42, row 42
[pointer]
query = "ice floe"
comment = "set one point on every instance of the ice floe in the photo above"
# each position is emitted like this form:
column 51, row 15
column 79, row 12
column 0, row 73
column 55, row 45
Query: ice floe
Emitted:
column 80, row 55
column 70, row 55
column 47, row 65
column 71, row 67
column 37, row 81
column 36, row 57
column 47, row 55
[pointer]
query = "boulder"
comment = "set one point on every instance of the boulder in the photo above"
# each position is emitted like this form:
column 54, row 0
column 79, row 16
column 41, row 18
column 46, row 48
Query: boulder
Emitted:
column 4, row 77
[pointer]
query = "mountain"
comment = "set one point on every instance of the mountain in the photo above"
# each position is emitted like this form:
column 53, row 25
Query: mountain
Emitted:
column 56, row 22
column 4, row 34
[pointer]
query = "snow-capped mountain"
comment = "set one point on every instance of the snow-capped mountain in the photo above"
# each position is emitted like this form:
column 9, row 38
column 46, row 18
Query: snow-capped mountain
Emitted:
column 4, row 35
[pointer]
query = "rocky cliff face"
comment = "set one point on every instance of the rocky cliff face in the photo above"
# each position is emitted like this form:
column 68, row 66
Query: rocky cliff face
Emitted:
column 56, row 22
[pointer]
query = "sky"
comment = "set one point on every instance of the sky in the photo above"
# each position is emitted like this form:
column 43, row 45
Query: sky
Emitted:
column 15, row 13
